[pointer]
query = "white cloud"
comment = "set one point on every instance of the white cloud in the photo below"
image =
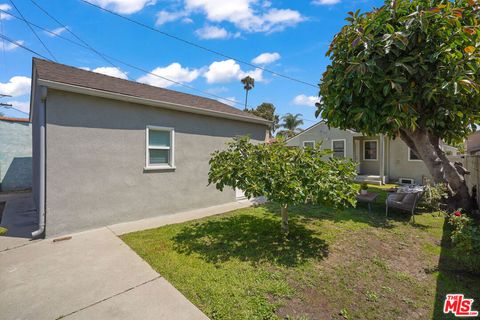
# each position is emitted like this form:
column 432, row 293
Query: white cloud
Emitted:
column 304, row 100
column 12, row 46
column 212, row 32
column 247, row 15
column 266, row 58
column 57, row 31
column 109, row 71
column 124, row 6
column 23, row 106
column 228, row 70
column 174, row 71
column 5, row 7
column 325, row 2
column 166, row 16
column 16, row 86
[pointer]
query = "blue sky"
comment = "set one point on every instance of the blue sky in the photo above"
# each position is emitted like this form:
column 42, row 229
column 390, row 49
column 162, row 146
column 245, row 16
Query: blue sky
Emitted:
column 288, row 37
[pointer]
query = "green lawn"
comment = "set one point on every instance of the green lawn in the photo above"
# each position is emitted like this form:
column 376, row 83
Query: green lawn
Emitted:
column 345, row 264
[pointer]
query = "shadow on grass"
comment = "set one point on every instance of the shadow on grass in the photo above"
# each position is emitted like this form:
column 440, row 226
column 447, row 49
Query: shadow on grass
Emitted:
column 452, row 278
column 250, row 238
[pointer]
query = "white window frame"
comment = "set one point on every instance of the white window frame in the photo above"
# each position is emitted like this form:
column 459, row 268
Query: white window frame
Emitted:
column 363, row 151
column 344, row 146
column 171, row 148
column 309, row 141
column 409, row 158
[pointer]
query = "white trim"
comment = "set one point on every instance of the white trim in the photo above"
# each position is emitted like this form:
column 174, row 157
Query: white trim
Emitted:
column 363, row 151
column 344, row 146
column 408, row 156
column 171, row 148
column 311, row 141
column 149, row 102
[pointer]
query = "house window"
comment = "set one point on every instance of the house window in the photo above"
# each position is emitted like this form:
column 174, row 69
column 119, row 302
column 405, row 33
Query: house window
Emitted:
column 370, row 150
column 412, row 156
column 309, row 144
column 338, row 148
column 160, row 148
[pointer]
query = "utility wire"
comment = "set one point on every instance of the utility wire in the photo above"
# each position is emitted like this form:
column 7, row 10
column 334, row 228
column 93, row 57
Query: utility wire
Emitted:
column 77, row 37
column 36, row 35
column 22, row 46
column 191, row 43
column 117, row 60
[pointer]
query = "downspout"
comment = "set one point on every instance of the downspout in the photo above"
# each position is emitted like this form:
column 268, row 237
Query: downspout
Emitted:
column 41, row 159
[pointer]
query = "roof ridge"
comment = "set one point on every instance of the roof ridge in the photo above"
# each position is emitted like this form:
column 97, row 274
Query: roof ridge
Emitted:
column 131, row 82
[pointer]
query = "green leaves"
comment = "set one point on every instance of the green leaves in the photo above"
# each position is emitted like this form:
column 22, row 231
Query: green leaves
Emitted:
column 283, row 174
column 417, row 54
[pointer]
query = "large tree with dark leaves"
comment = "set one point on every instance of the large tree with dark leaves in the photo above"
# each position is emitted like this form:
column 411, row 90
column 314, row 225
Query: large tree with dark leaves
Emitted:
column 410, row 69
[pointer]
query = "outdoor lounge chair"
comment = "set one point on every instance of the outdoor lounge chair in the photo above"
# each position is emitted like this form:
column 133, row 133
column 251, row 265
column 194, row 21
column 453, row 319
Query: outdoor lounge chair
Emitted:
column 405, row 201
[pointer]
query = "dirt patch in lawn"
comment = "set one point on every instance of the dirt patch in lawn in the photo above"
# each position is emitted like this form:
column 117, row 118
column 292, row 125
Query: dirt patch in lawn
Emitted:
column 366, row 268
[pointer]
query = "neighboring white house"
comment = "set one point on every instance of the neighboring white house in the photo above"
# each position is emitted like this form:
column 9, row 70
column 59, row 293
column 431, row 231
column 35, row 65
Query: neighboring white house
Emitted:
column 107, row 150
column 380, row 159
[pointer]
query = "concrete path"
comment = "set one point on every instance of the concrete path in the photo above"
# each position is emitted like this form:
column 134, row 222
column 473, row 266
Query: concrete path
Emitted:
column 19, row 217
column 94, row 275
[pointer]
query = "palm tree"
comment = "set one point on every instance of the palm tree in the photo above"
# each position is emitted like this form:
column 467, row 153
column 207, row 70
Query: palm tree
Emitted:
column 290, row 124
column 248, row 84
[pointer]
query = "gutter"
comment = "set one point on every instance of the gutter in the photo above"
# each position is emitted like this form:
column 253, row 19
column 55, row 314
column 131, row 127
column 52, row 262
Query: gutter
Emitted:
column 149, row 102
column 42, row 165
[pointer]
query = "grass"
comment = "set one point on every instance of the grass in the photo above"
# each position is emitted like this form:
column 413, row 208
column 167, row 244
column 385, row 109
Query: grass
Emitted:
column 346, row 264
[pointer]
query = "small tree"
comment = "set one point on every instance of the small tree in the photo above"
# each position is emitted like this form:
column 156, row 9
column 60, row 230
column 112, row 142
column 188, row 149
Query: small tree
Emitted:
column 267, row 111
column 248, row 84
column 290, row 124
column 284, row 175
column 410, row 69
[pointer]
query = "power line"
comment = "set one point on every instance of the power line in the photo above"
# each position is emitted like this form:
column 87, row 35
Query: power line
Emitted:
column 191, row 43
column 33, row 31
column 22, row 46
column 115, row 59
column 77, row 37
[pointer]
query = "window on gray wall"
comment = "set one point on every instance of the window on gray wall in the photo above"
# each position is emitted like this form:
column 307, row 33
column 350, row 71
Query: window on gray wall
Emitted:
column 160, row 148
column 370, row 151
column 412, row 156
column 309, row 144
column 338, row 148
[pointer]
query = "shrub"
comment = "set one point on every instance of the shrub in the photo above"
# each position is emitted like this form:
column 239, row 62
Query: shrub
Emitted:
column 435, row 197
column 363, row 186
column 465, row 238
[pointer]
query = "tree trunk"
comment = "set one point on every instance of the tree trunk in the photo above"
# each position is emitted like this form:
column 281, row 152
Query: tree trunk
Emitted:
column 427, row 147
column 246, row 100
column 284, row 212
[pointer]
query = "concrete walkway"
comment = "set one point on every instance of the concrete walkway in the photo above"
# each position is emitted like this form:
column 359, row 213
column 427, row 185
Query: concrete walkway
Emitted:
column 19, row 217
column 93, row 275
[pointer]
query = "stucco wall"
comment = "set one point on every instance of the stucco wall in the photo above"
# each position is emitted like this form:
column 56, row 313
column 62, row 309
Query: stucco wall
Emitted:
column 401, row 167
column 96, row 158
column 15, row 155
column 321, row 133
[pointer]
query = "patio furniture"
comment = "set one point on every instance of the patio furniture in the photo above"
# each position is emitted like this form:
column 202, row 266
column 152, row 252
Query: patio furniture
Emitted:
column 405, row 199
column 367, row 198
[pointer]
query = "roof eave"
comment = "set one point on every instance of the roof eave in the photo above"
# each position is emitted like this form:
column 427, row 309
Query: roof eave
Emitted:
column 155, row 103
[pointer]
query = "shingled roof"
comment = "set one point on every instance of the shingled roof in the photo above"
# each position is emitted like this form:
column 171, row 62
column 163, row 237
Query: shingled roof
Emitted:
column 60, row 73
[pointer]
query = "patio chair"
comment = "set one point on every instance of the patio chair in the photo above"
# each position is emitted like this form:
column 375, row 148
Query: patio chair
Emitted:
column 404, row 201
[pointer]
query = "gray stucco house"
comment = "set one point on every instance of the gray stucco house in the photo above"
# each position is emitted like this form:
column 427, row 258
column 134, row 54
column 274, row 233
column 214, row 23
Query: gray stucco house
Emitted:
column 107, row 150
column 380, row 159
column 15, row 154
